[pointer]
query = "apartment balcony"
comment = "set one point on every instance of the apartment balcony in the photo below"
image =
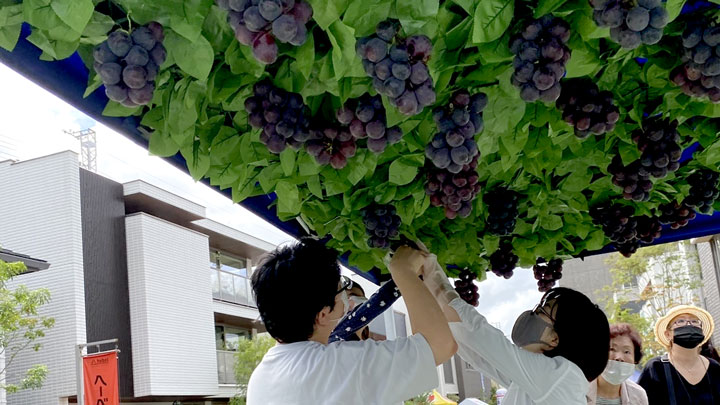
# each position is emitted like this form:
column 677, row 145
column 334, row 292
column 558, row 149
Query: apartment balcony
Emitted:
column 226, row 367
column 232, row 288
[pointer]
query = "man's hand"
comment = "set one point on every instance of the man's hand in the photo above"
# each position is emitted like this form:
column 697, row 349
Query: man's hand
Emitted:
column 407, row 260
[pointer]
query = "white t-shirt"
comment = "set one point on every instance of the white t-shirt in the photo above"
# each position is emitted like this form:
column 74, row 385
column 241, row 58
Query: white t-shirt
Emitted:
column 531, row 378
column 367, row 372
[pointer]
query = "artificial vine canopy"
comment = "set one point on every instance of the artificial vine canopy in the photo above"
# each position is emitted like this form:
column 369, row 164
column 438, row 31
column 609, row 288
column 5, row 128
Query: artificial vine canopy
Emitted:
column 499, row 132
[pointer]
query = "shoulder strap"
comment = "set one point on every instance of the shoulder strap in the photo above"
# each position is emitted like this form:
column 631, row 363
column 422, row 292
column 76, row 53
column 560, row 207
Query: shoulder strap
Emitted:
column 670, row 384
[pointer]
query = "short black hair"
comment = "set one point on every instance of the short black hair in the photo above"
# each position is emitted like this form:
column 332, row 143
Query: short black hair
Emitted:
column 292, row 284
column 583, row 331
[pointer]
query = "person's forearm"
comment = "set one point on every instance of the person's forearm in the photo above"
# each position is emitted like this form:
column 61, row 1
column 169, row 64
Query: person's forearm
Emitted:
column 426, row 317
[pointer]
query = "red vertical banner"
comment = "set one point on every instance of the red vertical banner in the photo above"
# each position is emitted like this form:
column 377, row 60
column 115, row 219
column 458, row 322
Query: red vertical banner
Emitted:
column 100, row 375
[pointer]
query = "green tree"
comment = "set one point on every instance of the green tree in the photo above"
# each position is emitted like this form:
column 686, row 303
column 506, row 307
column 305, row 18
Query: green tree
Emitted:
column 660, row 277
column 21, row 326
column 249, row 354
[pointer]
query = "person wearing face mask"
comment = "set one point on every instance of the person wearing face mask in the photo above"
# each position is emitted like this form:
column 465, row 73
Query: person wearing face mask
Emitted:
column 303, row 368
column 613, row 386
column 357, row 299
column 682, row 376
column 556, row 349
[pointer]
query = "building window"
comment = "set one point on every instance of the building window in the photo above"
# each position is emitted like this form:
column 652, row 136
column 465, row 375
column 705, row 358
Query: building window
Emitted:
column 228, row 337
column 229, row 278
column 632, row 284
column 225, row 262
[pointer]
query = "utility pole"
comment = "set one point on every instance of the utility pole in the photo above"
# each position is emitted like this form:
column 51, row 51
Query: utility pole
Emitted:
column 88, row 148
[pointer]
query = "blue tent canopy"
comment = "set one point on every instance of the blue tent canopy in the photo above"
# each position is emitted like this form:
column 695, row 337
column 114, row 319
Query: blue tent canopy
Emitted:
column 68, row 80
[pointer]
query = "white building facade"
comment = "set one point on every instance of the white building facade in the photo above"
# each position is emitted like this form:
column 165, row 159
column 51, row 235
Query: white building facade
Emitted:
column 133, row 262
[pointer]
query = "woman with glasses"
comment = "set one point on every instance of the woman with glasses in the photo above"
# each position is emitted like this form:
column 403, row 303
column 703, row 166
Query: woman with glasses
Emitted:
column 682, row 376
column 556, row 349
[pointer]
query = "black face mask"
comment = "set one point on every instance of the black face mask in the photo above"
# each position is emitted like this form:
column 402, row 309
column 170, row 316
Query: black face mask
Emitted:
column 688, row 336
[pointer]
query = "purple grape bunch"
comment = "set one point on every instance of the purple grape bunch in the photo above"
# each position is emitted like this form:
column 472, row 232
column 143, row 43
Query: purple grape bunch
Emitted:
column 703, row 190
column 633, row 179
column 648, row 228
column 282, row 115
column 540, row 57
column 260, row 23
column 454, row 145
column 502, row 206
column 676, row 214
column 503, row 260
column 331, row 144
column 381, row 225
column 699, row 76
column 658, row 141
column 547, row 273
column 398, row 67
column 453, row 191
column 586, row 108
column 617, row 222
column 466, row 287
column 631, row 23
column 365, row 117
column 129, row 63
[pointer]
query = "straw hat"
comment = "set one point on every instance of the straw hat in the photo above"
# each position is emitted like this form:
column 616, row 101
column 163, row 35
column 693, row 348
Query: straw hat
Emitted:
column 708, row 326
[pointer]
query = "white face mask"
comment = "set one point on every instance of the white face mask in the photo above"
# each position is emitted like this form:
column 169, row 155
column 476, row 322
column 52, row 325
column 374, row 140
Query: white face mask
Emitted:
column 356, row 302
column 617, row 372
column 346, row 304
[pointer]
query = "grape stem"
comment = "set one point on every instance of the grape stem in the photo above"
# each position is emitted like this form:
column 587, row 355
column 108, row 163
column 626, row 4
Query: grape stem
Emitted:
column 480, row 86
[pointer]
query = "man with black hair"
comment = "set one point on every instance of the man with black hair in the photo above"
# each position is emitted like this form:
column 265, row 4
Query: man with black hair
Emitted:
column 304, row 369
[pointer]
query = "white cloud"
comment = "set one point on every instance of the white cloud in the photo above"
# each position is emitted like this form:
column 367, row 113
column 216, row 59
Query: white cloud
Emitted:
column 502, row 301
column 32, row 125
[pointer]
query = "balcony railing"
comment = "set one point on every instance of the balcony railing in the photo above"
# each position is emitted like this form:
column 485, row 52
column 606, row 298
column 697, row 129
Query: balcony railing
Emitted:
column 231, row 288
column 226, row 367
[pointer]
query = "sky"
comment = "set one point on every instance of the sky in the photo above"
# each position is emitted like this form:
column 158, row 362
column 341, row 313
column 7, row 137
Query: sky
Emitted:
column 32, row 125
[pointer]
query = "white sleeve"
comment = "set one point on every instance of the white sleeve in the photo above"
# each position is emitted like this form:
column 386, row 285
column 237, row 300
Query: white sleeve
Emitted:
column 487, row 348
column 393, row 371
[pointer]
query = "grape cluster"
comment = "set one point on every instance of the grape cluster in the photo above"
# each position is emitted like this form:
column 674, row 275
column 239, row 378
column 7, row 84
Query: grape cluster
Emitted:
column 365, row 118
column 547, row 273
column 631, row 23
column 617, row 222
column 466, row 288
column 648, row 228
column 503, row 260
column 703, row 190
column 281, row 115
column 675, row 214
column 586, row 108
column 699, row 76
column 381, row 224
column 129, row 63
column 398, row 67
column 502, row 211
column 633, row 179
column 454, row 145
column 658, row 142
column 331, row 144
column 453, row 191
column 258, row 23
column 540, row 58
